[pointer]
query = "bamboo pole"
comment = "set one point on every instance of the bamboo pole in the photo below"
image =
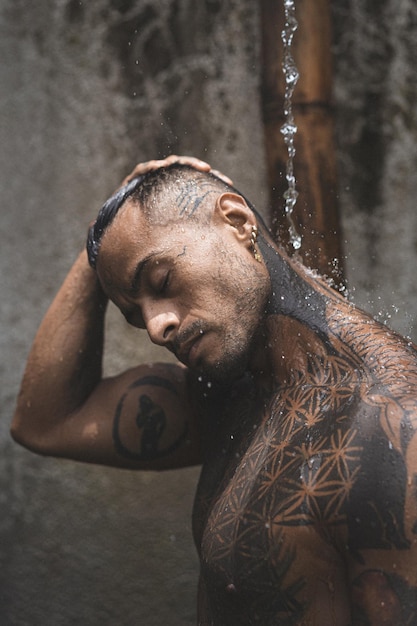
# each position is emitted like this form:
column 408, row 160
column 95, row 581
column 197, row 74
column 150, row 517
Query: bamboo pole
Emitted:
column 316, row 212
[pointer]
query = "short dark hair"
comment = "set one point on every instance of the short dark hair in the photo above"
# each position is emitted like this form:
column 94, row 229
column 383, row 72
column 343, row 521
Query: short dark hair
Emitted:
column 187, row 188
column 105, row 217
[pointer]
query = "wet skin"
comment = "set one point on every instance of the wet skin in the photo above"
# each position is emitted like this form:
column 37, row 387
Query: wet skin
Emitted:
column 301, row 408
column 306, row 509
column 306, row 512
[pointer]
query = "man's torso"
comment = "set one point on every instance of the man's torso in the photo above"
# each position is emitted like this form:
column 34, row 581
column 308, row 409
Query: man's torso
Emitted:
column 292, row 487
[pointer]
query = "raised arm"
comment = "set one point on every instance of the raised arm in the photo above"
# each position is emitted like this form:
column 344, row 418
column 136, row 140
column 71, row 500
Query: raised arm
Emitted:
column 140, row 419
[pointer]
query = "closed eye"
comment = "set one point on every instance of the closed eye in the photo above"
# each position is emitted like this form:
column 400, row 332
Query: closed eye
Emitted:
column 164, row 284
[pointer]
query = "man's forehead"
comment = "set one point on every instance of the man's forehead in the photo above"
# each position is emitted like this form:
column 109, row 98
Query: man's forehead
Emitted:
column 126, row 233
column 129, row 222
column 131, row 234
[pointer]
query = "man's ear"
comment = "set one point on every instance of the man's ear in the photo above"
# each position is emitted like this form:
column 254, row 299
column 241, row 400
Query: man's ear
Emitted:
column 232, row 210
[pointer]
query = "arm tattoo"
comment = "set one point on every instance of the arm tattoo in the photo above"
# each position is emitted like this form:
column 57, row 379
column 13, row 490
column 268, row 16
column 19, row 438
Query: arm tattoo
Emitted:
column 150, row 420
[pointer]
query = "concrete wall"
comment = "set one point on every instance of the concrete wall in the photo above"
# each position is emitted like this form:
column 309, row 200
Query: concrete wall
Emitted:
column 86, row 90
column 376, row 95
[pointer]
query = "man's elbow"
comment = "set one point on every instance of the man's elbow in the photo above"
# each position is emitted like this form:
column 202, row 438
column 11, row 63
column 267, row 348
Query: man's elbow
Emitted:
column 25, row 437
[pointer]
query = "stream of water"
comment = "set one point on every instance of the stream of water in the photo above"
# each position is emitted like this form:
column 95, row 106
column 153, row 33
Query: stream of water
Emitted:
column 289, row 128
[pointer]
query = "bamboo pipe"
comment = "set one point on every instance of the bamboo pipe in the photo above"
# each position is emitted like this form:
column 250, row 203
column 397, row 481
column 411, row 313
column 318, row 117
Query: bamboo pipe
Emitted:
column 316, row 213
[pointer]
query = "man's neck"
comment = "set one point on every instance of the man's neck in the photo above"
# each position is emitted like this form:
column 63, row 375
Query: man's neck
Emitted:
column 296, row 317
column 293, row 293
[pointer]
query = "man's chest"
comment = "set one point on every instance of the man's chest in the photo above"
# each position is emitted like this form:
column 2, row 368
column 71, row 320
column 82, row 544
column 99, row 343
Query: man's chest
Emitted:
column 267, row 512
column 291, row 464
column 279, row 501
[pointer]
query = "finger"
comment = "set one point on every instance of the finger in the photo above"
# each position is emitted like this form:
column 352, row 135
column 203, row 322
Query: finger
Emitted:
column 148, row 166
column 197, row 164
column 222, row 177
column 143, row 168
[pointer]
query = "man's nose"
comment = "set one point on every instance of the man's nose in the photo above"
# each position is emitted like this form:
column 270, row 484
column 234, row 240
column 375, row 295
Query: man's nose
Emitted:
column 162, row 326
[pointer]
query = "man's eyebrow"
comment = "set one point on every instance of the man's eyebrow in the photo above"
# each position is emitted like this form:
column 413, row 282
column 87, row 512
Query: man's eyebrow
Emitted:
column 137, row 276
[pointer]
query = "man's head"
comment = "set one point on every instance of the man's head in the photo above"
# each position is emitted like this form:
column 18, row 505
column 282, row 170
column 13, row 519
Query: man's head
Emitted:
column 175, row 251
column 165, row 195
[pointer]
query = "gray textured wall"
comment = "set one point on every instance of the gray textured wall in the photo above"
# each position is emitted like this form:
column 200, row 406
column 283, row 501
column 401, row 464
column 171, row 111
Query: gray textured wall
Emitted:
column 87, row 89
column 376, row 95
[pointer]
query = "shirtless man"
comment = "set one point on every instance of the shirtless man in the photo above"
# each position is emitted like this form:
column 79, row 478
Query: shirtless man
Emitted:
column 300, row 407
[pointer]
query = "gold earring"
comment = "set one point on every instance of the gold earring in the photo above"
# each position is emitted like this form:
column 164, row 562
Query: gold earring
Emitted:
column 253, row 238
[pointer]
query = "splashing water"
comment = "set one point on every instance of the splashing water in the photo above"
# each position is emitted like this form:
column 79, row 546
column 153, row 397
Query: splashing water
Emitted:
column 289, row 128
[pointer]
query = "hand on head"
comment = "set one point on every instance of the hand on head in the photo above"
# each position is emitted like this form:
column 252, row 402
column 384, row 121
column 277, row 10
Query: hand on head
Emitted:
column 148, row 166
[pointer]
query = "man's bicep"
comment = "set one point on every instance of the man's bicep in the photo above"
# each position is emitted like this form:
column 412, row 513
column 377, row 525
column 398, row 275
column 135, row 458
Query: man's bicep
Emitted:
column 141, row 419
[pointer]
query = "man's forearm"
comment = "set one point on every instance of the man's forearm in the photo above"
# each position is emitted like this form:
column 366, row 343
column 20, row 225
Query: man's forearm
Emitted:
column 65, row 361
